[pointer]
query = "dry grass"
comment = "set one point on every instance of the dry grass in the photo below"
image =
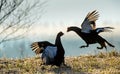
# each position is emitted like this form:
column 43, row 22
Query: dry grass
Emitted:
column 103, row 63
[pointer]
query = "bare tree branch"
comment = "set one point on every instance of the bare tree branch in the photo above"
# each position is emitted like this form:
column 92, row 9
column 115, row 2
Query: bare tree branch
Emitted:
column 16, row 17
column 7, row 7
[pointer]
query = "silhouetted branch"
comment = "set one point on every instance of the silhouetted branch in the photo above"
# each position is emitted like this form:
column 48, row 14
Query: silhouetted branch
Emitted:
column 17, row 16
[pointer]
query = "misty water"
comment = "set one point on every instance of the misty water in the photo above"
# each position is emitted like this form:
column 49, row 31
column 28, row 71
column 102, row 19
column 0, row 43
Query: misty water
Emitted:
column 21, row 48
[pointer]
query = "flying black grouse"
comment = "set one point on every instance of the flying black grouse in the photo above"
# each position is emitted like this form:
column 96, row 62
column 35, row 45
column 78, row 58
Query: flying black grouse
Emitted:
column 89, row 33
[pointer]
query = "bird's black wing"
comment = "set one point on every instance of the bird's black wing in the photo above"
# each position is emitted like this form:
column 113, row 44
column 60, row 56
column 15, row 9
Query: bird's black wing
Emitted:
column 38, row 47
column 89, row 22
column 104, row 29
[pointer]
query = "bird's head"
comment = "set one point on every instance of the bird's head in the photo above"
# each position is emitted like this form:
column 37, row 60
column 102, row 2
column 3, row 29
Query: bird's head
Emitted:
column 73, row 28
column 60, row 33
column 68, row 29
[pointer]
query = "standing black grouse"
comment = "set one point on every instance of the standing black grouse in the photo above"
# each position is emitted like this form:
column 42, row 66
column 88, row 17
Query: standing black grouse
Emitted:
column 57, row 55
column 89, row 33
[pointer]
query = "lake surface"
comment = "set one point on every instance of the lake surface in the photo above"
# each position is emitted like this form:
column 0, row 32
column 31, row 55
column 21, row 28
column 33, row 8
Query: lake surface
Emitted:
column 21, row 48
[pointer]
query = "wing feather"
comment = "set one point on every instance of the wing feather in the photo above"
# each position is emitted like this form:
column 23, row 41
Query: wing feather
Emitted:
column 89, row 22
column 104, row 29
column 36, row 48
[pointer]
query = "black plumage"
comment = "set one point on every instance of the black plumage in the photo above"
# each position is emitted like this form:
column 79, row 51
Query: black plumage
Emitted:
column 59, row 58
column 90, row 38
column 39, row 47
column 89, row 33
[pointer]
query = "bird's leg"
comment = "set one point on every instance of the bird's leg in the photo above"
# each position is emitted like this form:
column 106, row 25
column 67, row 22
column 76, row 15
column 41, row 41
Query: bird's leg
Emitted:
column 106, row 48
column 83, row 46
column 100, row 47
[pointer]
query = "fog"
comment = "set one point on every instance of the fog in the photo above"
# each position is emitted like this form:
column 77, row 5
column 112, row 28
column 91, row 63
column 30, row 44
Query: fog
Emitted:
column 71, row 42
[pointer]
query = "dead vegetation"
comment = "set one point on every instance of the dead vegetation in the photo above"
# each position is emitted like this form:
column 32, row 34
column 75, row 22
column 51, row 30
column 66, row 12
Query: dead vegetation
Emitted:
column 102, row 63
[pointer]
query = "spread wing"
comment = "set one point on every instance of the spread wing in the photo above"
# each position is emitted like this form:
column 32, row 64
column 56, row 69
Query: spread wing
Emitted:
column 38, row 47
column 104, row 29
column 89, row 22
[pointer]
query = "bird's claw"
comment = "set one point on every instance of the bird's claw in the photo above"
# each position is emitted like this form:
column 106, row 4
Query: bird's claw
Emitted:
column 82, row 46
column 99, row 47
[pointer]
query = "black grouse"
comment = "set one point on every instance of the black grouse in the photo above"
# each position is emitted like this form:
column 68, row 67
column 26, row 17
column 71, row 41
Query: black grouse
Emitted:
column 41, row 47
column 89, row 33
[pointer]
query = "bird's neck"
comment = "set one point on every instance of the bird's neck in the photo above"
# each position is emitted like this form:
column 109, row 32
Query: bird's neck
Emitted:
column 58, row 40
column 76, row 30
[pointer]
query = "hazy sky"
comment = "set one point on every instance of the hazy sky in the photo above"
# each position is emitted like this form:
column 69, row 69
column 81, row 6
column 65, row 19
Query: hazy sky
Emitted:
column 63, row 13
column 74, row 11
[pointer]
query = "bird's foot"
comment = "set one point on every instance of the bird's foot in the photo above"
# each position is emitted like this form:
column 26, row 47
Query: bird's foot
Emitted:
column 83, row 46
column 99, row 47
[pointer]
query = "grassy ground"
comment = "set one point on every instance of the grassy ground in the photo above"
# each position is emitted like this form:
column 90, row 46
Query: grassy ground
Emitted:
column 102, row 63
